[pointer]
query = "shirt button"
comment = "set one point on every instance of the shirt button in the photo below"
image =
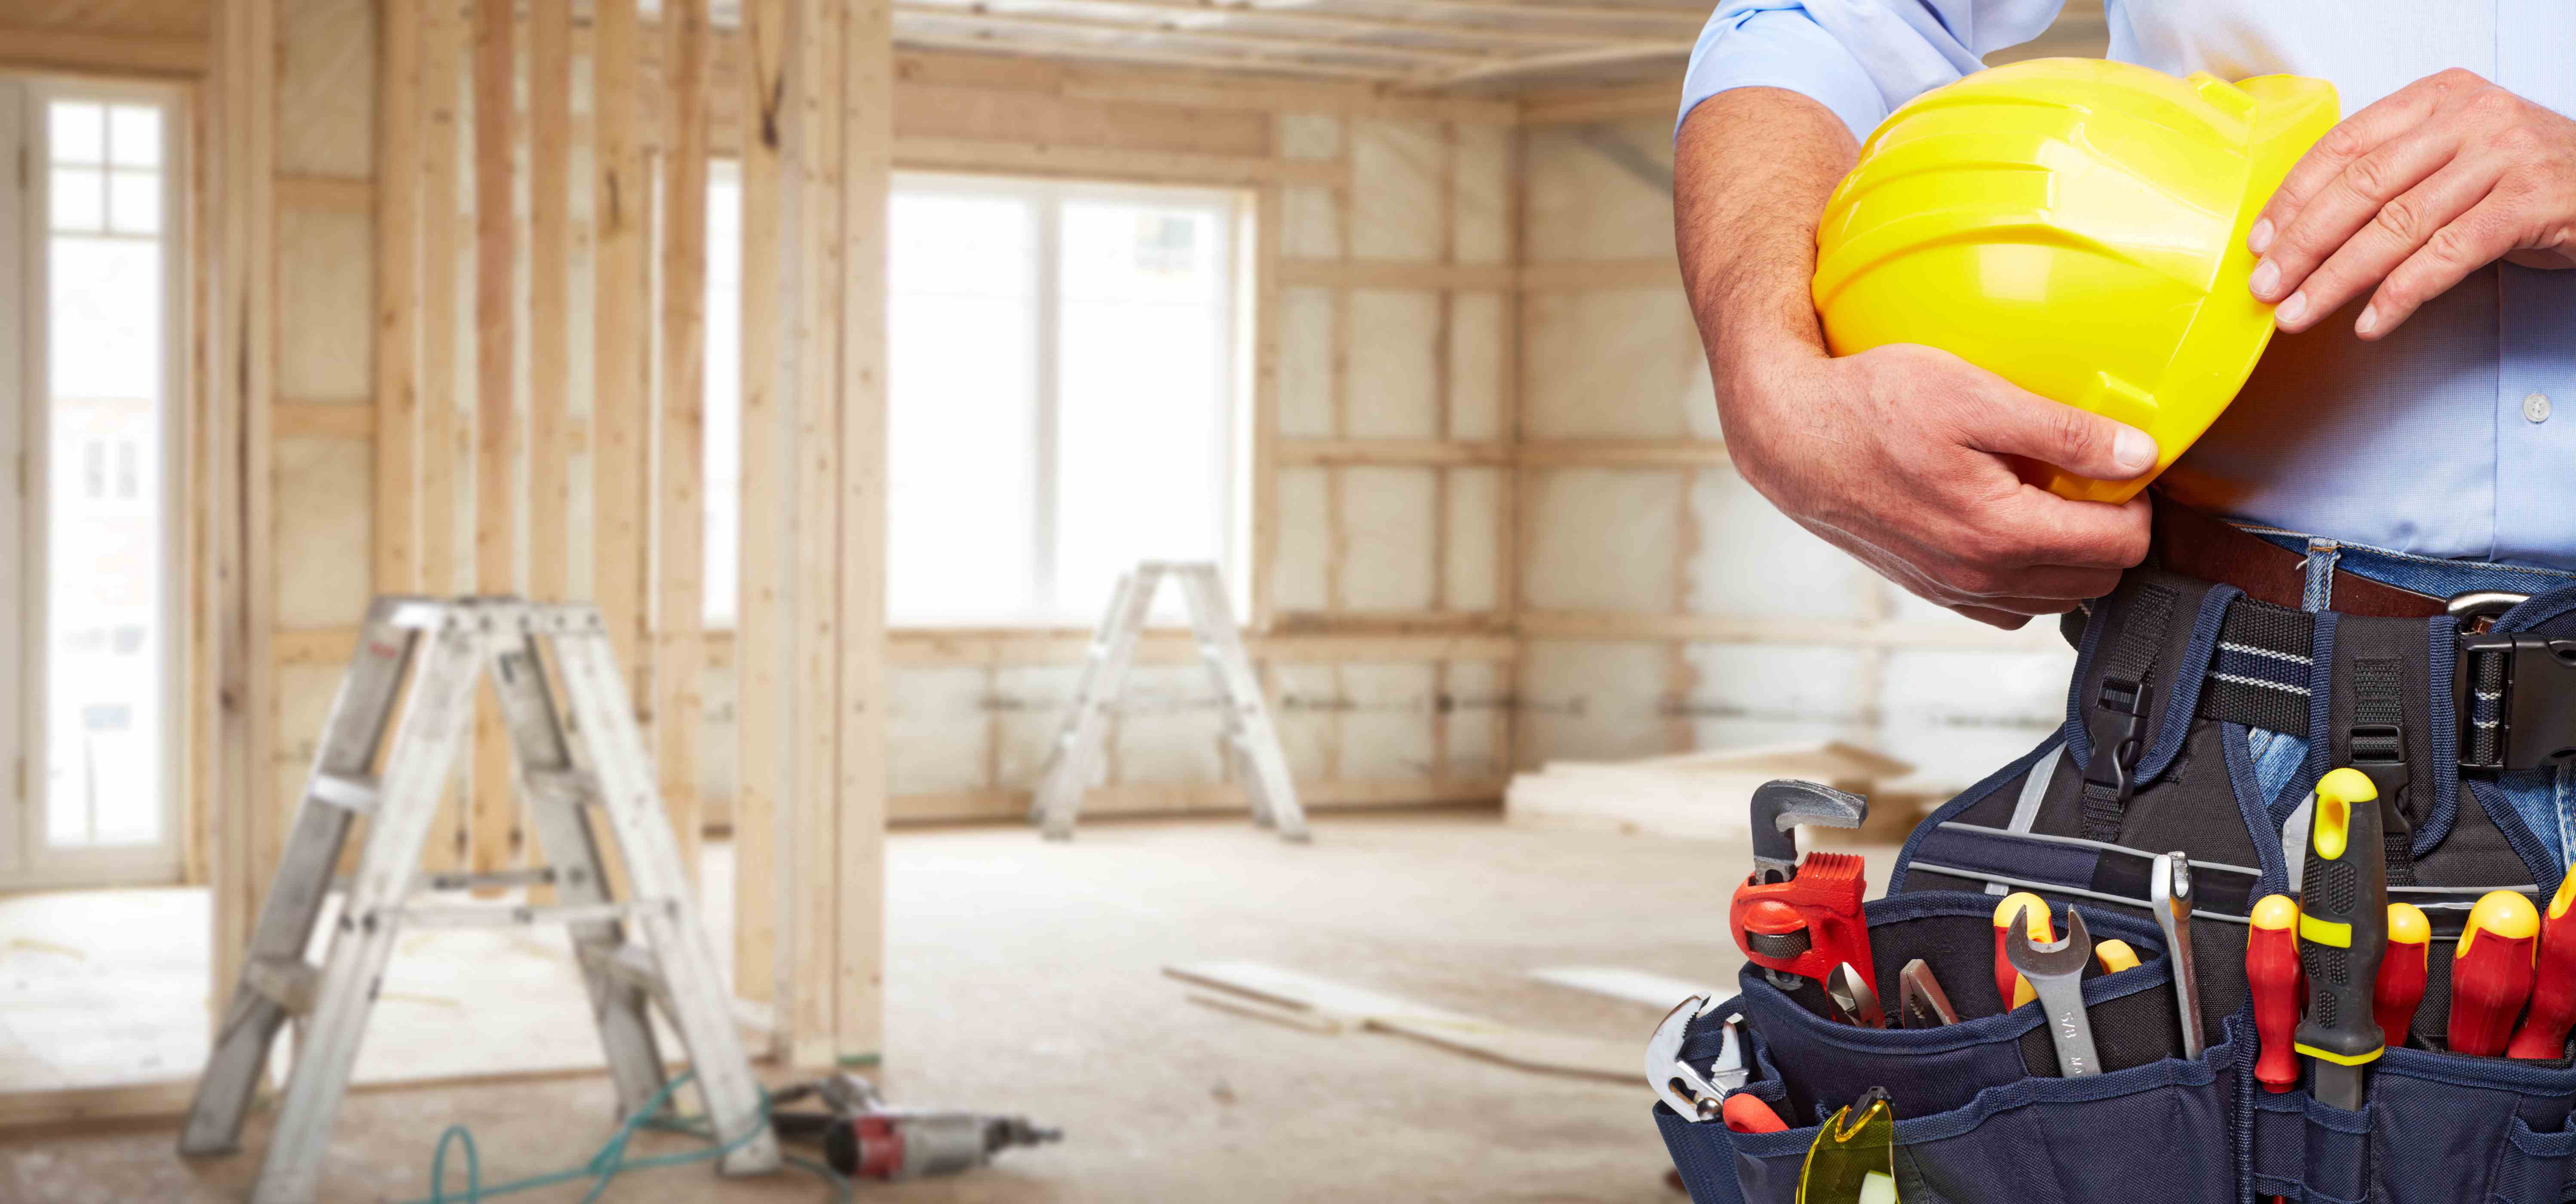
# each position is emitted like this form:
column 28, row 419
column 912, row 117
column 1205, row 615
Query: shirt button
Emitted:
column 2535, row 406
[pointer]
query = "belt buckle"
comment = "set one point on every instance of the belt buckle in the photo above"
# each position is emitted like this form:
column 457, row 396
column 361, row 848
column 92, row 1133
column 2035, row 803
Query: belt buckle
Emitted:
column 2526, row 717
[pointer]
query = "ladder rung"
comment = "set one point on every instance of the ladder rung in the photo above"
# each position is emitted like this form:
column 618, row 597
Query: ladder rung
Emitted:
column 461, row 880
column 506, row 917
column 349, row 792
column 289, row 981
column 563, row 785
column 629, row 963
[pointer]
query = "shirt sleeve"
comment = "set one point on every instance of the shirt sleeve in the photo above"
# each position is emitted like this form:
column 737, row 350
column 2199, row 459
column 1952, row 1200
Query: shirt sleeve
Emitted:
column 1858, row 58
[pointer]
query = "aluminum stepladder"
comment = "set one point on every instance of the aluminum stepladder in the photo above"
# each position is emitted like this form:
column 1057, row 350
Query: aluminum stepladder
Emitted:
column 650, row 948
column 1076, row 762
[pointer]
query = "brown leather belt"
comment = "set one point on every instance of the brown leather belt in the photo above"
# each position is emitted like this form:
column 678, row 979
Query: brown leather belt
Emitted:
column 2194, row 544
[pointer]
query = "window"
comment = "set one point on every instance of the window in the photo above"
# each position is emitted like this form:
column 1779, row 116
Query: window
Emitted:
column 91, row 244
column 1063, row 394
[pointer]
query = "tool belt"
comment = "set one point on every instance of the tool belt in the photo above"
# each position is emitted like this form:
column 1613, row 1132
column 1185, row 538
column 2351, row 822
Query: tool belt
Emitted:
column 2172, row 675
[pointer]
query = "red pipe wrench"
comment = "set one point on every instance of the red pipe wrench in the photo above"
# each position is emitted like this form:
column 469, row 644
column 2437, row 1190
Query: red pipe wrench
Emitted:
column 1801, row 919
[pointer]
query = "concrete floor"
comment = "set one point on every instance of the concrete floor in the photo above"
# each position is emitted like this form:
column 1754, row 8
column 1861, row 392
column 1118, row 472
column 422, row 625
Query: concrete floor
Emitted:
column 1025, row 977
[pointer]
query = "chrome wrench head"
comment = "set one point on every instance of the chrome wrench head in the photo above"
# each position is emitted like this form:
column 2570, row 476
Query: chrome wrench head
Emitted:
column 2056, row 974
column 1779, row 806
column 2169, row 888
column 1690, row 1095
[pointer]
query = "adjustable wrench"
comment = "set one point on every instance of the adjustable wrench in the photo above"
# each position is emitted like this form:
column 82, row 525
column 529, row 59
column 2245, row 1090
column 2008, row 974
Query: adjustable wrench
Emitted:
column 2056, row 974
column 2169, row 888
column 1684, row 1089
column 1801, row 919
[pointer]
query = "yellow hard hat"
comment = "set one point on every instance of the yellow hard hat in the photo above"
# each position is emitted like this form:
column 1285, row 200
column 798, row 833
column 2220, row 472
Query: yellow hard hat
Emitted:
column 2076, row 226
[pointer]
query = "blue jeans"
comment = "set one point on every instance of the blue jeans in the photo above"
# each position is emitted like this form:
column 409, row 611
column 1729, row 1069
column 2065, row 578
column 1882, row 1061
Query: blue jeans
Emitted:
column 2544, row 798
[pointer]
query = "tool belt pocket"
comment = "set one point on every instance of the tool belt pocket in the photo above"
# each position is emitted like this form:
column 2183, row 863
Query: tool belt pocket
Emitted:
column 2439, row 1128
column 2030, row 1140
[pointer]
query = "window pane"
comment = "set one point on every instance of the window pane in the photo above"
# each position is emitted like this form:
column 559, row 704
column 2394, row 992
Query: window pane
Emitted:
column 1143, row 381
column 77, row 132
column 134, row 202
column 78, row 200
column 722, row 449
column 134, row 135
column 104, row 533
column 962, row 412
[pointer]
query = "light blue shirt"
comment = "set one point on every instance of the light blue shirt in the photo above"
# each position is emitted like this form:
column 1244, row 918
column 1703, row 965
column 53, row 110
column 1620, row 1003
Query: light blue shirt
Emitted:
column 2423, row 442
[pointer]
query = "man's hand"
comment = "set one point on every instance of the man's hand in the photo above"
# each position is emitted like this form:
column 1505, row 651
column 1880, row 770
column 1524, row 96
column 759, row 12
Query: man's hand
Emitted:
column 2409, row 195
column 1904, row 456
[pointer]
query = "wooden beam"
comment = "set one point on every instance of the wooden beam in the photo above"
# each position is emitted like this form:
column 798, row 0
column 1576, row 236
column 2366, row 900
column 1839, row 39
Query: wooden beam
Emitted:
column 772, row 347
column 550, row 262
column 1584, row 106
column 1191, row 798
column 492, row 816
column 1622, row 14
column 102, row 53
column 1228, row 11
column 1370, row 273
column 396, row 192
column 443, row 431
column 987, row 43
column 339, row 194
column 621, row 338
column 325, row 420
column 241, row 581
column 1660, row 271
column 1438, row 452
column 867, row 166
column 1264, row 233
column 1622, row 453
column 1163, row 31
column 1044, row 159
column 1187, row 87
column 1782, row 629
column 1594, row 56
column 810, row 914
column 946, row 648
column 679, row 503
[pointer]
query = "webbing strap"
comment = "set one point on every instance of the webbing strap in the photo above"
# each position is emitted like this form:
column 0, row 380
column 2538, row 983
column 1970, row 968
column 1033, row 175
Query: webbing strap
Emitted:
column 2485, row 735
column 2259, row 674
column 2127, row 697
column 2379, row 749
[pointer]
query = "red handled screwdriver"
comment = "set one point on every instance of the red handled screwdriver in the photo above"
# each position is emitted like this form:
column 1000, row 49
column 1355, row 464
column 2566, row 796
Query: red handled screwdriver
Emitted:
column 2401, row 972
column 2491, row 972
column 2272, row 975
column 2543, row 1035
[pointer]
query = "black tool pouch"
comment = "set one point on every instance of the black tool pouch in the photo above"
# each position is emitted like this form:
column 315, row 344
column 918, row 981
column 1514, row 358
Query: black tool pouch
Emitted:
column 2173, row 676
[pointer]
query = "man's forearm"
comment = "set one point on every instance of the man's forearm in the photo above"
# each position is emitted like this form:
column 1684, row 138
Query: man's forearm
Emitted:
column 1751, row 170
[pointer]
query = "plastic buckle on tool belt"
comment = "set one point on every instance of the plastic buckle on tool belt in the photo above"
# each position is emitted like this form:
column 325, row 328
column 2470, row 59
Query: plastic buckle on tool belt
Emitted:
column 2517, row 700
column 2110, row 774
column 2378, row 751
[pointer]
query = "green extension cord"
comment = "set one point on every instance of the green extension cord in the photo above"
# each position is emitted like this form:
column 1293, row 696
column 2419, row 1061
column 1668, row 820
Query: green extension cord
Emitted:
column 611, row 1160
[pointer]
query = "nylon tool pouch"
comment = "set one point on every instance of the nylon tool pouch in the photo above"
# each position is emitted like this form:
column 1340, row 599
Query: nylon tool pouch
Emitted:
column 2174, row 679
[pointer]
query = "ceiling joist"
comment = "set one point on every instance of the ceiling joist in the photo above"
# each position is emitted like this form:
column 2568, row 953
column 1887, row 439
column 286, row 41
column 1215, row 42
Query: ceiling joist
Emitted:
column 982, row 16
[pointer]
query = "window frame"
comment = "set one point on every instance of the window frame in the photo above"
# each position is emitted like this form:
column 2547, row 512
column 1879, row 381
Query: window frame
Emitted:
column 1236, row 209
column 27, row 859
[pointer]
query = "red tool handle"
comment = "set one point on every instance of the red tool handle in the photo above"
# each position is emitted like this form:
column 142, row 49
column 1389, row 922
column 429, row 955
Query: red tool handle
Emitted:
column 1808, row 924
column 2491, row 972
column 2401, row 972
column 2543, row 1035
column 1745, row 1114
column 2010, row 987
column 2272, row 975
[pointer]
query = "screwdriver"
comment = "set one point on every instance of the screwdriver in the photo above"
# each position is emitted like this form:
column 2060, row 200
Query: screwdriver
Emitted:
column 2272, row 975
column 2543, row 1035
column 2491, row 972
column 2343, row 930
column 2401, row 972
column 2115, row 956
column 1745, row 1114
column 2010, row 986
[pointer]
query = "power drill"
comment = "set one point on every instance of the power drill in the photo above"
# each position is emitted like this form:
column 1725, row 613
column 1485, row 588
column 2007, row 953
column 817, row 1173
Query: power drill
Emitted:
column 864, row 1137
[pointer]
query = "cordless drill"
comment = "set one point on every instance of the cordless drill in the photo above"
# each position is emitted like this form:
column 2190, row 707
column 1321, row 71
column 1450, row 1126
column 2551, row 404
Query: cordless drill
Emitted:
column 864, row 1137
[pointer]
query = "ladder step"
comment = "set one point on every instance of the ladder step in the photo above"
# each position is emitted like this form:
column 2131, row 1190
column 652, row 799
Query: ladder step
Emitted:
column 629, row 963
column 288, row 981
column 349, row 792
column 563, row 786
column 461, row 880
column 507, row 917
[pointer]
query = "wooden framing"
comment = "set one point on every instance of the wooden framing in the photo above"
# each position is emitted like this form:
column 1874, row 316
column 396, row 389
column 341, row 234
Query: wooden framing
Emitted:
column 492, row 820
column 442, row 429
column 679, row 508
